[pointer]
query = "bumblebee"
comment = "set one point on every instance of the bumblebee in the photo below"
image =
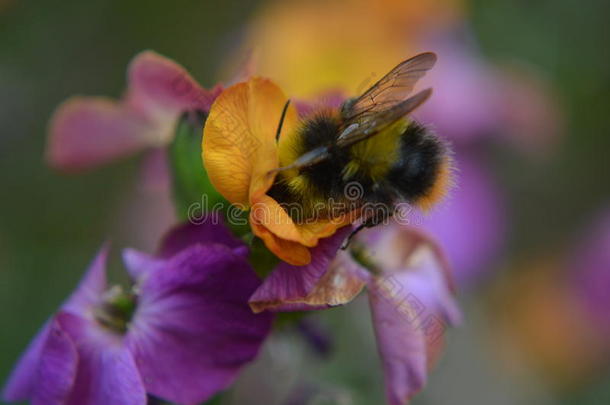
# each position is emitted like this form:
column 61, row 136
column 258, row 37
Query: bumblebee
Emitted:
column 367, row 152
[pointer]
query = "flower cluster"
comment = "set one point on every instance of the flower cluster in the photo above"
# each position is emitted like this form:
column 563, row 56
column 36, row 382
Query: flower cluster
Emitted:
column 196, row 312
column 347, row 45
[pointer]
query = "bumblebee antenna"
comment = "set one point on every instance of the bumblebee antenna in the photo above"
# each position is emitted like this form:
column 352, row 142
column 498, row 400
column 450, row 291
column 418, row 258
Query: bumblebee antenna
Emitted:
column 281, row 124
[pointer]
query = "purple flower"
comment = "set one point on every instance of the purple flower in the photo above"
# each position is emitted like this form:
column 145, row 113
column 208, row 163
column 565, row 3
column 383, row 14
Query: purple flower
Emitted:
column 465, row 105
column 409, row 292
column 87, row 132
column 181, row 333
column 474, row 99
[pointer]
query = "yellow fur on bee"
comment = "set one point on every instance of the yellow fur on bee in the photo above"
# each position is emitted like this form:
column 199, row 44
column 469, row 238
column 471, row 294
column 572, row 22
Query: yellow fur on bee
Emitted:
column 375, row 156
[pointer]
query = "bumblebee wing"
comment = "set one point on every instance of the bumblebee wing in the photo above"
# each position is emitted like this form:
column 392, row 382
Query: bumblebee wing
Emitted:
column 390, row 90
column 356, row 132
column 375, row 123
column 378, row 107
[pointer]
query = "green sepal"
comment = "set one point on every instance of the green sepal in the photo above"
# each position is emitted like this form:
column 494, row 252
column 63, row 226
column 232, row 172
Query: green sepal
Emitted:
column 261, row 258
column 193, row 191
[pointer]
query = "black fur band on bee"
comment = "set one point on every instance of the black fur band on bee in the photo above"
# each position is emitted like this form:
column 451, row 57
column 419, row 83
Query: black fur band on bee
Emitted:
column 370, row 142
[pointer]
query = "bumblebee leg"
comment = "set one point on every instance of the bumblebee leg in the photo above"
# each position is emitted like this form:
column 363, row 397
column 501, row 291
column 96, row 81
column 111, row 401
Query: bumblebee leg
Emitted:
column 368, row 223
column 360, row 227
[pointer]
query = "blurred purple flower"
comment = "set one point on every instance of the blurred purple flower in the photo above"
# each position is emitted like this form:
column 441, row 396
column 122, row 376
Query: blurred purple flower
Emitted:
column 590, row 273
column 86, row 132
column 470, row 225
column 465, row 105
column 317, row 337
column 182, row 333
column 409, row 292
column 474, row 99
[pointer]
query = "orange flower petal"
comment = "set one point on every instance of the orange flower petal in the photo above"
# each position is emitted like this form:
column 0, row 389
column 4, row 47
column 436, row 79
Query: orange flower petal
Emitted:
column 291, row 252
column 269, row 213
column 239, row 146
column 240, row 150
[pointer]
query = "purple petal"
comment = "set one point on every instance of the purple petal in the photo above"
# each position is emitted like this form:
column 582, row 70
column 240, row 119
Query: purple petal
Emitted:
column 56, row 368
column 139, row 264
column 193, row 329
column 21, row 383
column 209, row 229
column 413, row 270
column 158, row 85
column 411, row 304
column 402, row 348
column 288, row 287
column 90, row 131
column 91, row 287
column 470, row 225
column 107, row 373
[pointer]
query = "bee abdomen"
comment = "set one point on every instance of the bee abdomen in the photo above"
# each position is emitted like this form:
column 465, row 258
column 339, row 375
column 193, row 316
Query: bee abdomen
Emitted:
column 421, row 173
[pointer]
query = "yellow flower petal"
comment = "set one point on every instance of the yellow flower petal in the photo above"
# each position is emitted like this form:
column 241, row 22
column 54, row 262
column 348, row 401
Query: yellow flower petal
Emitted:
column 239, row 146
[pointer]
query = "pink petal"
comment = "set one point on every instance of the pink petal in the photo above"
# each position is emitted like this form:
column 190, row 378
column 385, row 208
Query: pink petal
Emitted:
column 412, row 305
column 159, row 87
column 411, row 262
column 290, row 288
column 90, row 131
column 402, row 349
column 56, row 369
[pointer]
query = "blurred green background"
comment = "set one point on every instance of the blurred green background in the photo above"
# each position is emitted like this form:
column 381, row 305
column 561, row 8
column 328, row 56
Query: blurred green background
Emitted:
column 51, row 224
